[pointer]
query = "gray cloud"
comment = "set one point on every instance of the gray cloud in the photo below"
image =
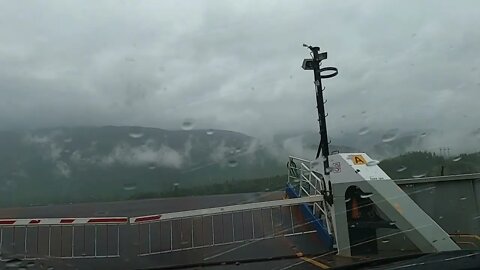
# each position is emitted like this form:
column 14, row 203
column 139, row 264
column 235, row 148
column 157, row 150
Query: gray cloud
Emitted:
column 145, row 154
column 236, row 65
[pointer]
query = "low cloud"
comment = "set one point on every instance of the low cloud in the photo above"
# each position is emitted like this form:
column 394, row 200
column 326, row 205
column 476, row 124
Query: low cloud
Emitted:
column 162, row 156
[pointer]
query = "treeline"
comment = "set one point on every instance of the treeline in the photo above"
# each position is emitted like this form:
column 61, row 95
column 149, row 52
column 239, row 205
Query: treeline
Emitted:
column 413, row 164
column 273, row 183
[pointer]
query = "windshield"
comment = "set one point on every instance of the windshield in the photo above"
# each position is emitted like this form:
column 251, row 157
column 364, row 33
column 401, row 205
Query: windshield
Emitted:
column 218, row 134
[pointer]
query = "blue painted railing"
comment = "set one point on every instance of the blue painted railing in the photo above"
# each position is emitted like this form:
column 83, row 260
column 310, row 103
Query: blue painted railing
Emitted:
column 317, row 223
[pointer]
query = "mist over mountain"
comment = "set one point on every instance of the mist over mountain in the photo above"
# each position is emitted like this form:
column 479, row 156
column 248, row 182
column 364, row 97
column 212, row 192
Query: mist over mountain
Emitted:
column 112, row 162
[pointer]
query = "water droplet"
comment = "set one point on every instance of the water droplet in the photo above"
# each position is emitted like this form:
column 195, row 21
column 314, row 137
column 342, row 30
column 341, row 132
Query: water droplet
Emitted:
column 176, row 184
column 152, row 167
column 390, row 136
column 135, row 135
column 401, row 168
column 423, row 134
column 232, row 163
column 129, row 186
column 210, row 132
column 476, row 132
column 13, row 263
column 68, row 140
column 252, row 88
column 420, row 175
column 50, row 268
column 457, row 159
column 348, row 199
column 463, row 198
column 344, row 116
column 238, row 150
column 187, row 124
column 291, row 76
column 373, row 162
column 363, row 131
column 440, row 217
column 364, row 196
column 267, row 189
column 384, row 241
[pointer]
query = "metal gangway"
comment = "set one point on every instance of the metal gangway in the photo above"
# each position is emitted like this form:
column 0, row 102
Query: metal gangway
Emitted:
column 203, row 228
column 110, row 237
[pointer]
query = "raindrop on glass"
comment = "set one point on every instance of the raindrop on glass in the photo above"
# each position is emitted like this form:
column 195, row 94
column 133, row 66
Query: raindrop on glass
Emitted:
column 68, row 140
column 420, row 175
column 267, row 189
column 373, row 162
column 363, row 131
column 135, row 135
column 463, row 198
column 401, row 169
column 14, row 263
column 384, row 241
column 440, row 217
column 176, row 184
column 187, row 124
column 344, row 116
column 457, row 159
column 210, row 132
column 238, row 150
column 232, row 163
column 364, row 196
column 152, row 167
column 423, row 135
column 390, row 136
column 476, row 132
column 129, row 187
column 348, row 199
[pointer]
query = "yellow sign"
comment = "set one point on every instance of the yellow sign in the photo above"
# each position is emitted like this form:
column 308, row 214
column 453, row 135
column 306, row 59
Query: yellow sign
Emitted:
column 359, row 160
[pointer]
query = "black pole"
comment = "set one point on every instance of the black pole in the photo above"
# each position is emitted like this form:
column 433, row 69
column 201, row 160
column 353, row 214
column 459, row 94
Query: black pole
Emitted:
column 314, row 64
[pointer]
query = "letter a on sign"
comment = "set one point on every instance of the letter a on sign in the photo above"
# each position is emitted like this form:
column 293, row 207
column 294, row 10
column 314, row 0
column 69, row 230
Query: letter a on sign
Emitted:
column 359, row 160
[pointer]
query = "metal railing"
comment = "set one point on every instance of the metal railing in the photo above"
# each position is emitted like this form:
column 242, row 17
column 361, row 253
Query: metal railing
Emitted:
column 61, row 238
column 309, row 183
column 209, row 227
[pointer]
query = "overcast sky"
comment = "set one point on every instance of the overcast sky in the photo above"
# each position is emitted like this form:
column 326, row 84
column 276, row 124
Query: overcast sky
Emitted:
column 236, row 64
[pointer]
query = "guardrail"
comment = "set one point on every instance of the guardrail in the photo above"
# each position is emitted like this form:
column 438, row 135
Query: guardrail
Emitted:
column 96, row 237
column 209, row 227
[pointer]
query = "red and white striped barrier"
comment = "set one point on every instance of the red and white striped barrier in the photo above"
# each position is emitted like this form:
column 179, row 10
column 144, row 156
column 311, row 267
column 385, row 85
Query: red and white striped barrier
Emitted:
column 62, row 221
